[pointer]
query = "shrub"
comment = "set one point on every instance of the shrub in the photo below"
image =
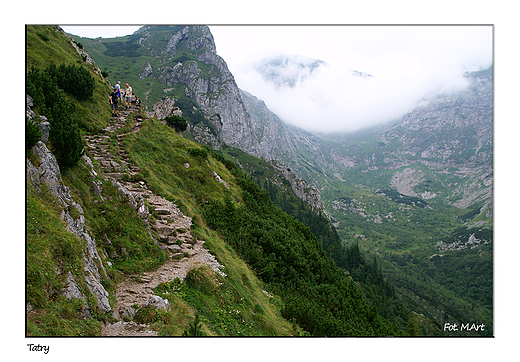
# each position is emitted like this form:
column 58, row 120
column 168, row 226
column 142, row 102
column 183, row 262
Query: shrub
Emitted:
column 202, row 279
column 43, row 36
column 198, row 152
column 32, row 133
column 65, row 135
column 78, row 44
column 179, row 123
column 75, row 80
column 147, row 315
column 194, row 329
column 49, row 100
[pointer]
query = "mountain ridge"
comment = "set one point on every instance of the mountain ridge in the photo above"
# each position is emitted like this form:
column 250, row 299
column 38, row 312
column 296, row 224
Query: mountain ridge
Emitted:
column 384, row 204
column 130, row 157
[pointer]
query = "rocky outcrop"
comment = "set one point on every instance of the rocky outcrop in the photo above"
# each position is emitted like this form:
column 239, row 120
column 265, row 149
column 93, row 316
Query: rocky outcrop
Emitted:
column 301, row 189
column 275, row 140
column 86, row 57
column 49, row 173
column 147, row 71
column 206, row 79
column 165, row 108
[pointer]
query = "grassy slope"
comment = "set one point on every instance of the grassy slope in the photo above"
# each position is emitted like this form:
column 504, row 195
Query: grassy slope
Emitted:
column 44, row 44
column 238, row 296
column 115, row 226
column 51, row 253
column 236, row 305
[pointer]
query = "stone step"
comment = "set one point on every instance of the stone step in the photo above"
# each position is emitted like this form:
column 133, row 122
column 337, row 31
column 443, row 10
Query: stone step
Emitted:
column 116, row 175
column 162, row 211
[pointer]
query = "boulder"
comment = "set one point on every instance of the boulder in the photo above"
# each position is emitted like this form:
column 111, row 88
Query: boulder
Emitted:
column 157, row 302
column 45, row 127
column 49, row 173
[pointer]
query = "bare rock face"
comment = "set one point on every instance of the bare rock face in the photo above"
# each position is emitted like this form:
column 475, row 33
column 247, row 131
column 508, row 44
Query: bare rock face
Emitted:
column 147, row 71
column 49, row 173
column 207, row 80
column 302, row 189
column 157, row 302
column 165, row 108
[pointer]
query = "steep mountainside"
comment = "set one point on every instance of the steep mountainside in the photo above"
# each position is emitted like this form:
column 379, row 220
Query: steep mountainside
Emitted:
column 149, row 233
column 442, row 149
column 294, row 147
column 417, row 193
column 413, row 196
column 180, row 62
column 178, row 67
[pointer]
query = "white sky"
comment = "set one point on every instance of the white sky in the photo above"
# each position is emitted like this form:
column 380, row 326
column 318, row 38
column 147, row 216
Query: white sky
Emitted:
column 507, row 93
column 407, row 62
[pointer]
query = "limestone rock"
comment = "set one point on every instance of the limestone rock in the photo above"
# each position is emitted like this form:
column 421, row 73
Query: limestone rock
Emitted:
column 28, row 104
column 157, row 302
column 71, row 289
column 215, row 91
column 302, row 189
column 49, row 173
column 164, row 108
column 147, row 71
column 32, row 174
column 217, row 177
column 45, row 127
column 135, row 199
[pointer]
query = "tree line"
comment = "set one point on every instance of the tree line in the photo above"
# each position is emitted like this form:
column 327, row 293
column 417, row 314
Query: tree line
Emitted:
column 287, row 256
column 48, row 89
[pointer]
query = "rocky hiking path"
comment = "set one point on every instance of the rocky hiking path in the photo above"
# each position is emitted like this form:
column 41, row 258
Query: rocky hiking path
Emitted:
column 171, row 225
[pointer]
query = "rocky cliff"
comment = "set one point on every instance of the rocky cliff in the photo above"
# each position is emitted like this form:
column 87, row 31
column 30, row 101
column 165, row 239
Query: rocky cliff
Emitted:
column 442, row 148
column 47, row 173
column 190, row 62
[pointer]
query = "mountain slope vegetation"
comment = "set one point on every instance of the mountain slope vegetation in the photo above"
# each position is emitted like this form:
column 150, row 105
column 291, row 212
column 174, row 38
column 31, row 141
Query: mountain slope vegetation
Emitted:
column 277, row 278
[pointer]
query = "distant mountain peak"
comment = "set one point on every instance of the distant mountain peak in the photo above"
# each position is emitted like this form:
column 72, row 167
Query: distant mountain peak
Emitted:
column 287, row 69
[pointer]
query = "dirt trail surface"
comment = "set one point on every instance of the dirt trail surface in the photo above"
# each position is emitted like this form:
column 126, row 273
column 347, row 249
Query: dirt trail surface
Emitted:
column 172, row 226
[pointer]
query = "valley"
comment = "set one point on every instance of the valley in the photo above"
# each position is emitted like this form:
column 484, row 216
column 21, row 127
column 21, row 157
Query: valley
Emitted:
column 384, row 231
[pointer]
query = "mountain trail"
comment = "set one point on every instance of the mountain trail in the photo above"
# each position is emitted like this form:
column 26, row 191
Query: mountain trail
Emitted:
column 171, row 225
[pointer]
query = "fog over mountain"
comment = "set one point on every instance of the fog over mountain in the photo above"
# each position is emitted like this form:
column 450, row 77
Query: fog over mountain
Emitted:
column 407, row 63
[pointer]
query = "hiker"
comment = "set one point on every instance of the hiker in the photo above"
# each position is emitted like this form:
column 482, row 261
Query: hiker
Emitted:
column 128, row 97
column 137, row 102
column 113, row 101
column 118, row 87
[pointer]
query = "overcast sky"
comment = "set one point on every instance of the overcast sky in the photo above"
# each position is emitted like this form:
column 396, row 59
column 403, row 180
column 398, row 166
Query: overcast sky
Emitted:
column 407, row 63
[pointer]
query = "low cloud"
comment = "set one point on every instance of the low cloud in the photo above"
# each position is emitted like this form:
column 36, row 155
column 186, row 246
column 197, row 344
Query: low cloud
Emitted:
column 407, row 65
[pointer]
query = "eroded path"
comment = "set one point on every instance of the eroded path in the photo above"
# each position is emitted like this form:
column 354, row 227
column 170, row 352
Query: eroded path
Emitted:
column 171, row 225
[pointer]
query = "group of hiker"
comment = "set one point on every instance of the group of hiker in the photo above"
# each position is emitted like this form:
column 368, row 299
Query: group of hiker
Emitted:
column 123, row 95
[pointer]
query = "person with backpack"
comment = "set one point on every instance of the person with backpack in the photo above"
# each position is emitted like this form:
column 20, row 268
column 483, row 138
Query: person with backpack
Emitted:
column 118, row 87
column 113, row 97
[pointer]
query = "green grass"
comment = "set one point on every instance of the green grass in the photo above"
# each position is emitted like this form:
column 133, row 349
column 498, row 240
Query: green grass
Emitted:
column 92, row 114
column 162, row 154
column 51, row 253
column 114, row 223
